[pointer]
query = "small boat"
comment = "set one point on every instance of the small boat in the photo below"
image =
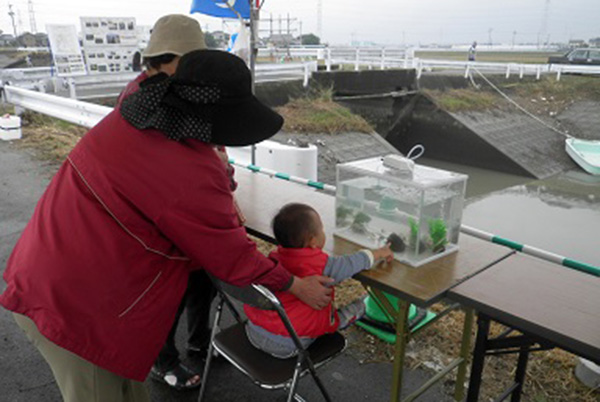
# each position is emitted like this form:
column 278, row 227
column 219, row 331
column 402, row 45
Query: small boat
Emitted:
column 585, row 153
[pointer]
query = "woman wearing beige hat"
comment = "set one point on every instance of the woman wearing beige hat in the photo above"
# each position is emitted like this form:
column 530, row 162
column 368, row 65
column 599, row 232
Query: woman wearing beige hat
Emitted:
column 173, row 36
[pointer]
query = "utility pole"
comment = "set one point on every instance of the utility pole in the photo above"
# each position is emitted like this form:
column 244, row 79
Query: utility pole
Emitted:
column 320, row 19
column 31, row 17
column 11, row 14
column 543, row 31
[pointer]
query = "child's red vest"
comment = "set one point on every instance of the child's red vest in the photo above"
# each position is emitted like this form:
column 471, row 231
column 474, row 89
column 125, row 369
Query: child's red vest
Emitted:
column 307, row 321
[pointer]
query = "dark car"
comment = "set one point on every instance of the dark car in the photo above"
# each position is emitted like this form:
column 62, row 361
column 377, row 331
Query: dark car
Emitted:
column 578, row 56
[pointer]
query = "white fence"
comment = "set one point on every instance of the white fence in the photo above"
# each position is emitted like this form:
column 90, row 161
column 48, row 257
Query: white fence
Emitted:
column 502, row 68
column 110, row 85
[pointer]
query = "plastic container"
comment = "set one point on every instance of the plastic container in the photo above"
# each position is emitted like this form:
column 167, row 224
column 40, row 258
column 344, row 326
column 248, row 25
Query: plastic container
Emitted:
column 421, row 206
column 10, row 127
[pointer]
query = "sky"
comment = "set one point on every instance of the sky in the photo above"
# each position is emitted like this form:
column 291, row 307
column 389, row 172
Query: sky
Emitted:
column 384, row 22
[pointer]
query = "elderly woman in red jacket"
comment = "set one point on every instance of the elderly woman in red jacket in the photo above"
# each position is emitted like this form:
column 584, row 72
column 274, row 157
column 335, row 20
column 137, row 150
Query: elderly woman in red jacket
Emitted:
column 98, row 273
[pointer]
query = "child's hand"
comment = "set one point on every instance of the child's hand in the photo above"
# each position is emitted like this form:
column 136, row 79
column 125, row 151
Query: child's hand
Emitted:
column 383, row 253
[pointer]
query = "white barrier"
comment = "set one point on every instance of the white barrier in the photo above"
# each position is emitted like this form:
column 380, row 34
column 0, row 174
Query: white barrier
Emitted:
column 297, row 161
column 82, row 113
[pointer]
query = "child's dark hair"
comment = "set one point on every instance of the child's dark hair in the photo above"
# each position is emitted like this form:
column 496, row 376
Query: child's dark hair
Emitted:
column 294, row 224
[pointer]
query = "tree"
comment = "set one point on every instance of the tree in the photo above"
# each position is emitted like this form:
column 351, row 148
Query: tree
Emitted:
column 211, row 42
column 310, row 39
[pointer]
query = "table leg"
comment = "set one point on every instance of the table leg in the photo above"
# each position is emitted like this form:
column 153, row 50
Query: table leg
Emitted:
column 402, row 334
column 520, row 374
column 483, row 329
column 465, row 351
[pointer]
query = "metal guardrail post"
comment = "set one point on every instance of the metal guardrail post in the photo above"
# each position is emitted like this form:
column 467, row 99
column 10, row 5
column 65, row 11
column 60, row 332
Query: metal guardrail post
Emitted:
column 356, row 66
column 558, row 73
column 467, row 70
column 72, row 89
column 383, row 58
column 328, row 60
column 508, row 71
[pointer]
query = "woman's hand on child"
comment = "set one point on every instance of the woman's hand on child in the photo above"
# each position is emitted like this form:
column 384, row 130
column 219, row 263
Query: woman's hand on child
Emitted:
column 383, row 253
column 313, row 290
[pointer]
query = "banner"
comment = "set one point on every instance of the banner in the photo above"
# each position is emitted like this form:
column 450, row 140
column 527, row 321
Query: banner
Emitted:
column 222, row 8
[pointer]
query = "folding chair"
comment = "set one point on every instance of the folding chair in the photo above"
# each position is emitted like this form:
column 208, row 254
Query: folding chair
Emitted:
column 263, row 369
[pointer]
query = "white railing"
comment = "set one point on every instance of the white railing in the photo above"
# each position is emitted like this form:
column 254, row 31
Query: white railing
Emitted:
column 110, row 85
column 503, row 68
column 82, row 113
column 285, row 72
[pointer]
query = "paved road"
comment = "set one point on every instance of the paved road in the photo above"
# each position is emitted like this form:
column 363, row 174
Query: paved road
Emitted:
column 26, row 377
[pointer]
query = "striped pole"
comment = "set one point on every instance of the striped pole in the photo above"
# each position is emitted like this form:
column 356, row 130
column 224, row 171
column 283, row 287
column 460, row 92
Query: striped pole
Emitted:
column 284, row 176
column 534, row 251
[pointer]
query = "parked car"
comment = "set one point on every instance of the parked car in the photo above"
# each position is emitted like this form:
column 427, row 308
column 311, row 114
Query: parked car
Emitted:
column 578, row 56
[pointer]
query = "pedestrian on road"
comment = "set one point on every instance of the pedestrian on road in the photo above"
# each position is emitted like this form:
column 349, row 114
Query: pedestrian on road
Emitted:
column 472, row 51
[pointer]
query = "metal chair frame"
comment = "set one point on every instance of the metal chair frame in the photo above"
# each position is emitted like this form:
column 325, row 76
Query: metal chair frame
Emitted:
column 266, row 301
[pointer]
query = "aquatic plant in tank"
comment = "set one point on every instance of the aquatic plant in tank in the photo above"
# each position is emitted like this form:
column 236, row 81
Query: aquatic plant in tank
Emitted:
column 438, row 235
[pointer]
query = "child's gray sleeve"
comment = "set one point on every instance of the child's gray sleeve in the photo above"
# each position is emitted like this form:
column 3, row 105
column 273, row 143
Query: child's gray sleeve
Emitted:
column 346, row 266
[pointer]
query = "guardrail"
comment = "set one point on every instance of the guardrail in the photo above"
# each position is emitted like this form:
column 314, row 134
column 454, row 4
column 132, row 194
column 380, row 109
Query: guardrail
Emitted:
column 71, row 110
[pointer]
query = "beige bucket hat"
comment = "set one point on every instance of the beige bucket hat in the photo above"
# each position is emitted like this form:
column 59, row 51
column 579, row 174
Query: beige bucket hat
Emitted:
column 176, row 34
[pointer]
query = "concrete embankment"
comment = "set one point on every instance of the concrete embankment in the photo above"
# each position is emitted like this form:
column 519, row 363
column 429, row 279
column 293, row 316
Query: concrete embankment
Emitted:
column 502, row 139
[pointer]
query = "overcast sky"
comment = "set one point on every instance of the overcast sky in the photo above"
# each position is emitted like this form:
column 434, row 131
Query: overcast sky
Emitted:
column 379, row 21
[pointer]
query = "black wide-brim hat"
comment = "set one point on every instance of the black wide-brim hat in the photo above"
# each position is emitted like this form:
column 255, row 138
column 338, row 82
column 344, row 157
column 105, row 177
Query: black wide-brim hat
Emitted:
column 209, row 98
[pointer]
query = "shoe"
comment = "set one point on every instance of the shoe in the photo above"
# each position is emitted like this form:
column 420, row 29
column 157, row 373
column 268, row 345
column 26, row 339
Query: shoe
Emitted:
column 179, row 377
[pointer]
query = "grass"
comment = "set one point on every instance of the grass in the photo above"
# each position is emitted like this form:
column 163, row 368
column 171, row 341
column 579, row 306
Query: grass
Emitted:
column 461, row 100
column 318, row 113
column 50, row 139
column 544, row 97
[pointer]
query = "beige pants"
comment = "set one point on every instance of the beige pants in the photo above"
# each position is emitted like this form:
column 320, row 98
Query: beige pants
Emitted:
column 78, row 379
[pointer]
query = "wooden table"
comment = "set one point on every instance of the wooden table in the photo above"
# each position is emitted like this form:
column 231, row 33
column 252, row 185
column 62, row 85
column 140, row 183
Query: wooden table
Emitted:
column 261, row 196
column 551, row 305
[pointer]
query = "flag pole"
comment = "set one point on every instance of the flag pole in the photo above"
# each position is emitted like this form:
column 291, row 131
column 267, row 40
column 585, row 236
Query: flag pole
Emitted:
column 253, row 53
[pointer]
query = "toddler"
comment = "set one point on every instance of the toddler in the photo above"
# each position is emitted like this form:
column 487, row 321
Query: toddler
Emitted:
column 299, row 232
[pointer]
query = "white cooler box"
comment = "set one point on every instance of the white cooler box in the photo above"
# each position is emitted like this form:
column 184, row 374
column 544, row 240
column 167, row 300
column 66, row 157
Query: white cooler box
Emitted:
column 10, row 127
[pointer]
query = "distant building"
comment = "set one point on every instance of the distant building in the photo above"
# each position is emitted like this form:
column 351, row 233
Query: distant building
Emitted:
column 7, row 40
column 594, row 42
column 573, row 43
column 283, row 40
column 109, row 43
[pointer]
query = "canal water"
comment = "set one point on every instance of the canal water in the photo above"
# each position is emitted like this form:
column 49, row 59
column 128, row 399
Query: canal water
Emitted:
column 560, row 214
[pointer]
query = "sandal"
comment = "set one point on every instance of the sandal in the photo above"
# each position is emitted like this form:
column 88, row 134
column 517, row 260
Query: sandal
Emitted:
column 180, row 377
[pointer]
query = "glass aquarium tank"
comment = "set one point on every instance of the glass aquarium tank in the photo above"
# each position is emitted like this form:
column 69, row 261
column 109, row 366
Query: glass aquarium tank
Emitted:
column 416, row 208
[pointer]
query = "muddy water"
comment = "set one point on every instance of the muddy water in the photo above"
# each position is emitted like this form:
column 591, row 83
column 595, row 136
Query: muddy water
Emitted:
column 560, row 214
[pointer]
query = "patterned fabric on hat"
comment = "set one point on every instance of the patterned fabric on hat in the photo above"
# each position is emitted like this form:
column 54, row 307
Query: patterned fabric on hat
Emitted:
column 147, row 109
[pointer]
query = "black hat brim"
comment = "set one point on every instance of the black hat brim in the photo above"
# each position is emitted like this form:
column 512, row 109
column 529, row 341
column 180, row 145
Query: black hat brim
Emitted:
column 244, row 123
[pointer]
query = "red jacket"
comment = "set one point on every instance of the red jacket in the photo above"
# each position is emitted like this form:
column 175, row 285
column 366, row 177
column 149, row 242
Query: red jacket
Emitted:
column 307, row 321
column 103, row 263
